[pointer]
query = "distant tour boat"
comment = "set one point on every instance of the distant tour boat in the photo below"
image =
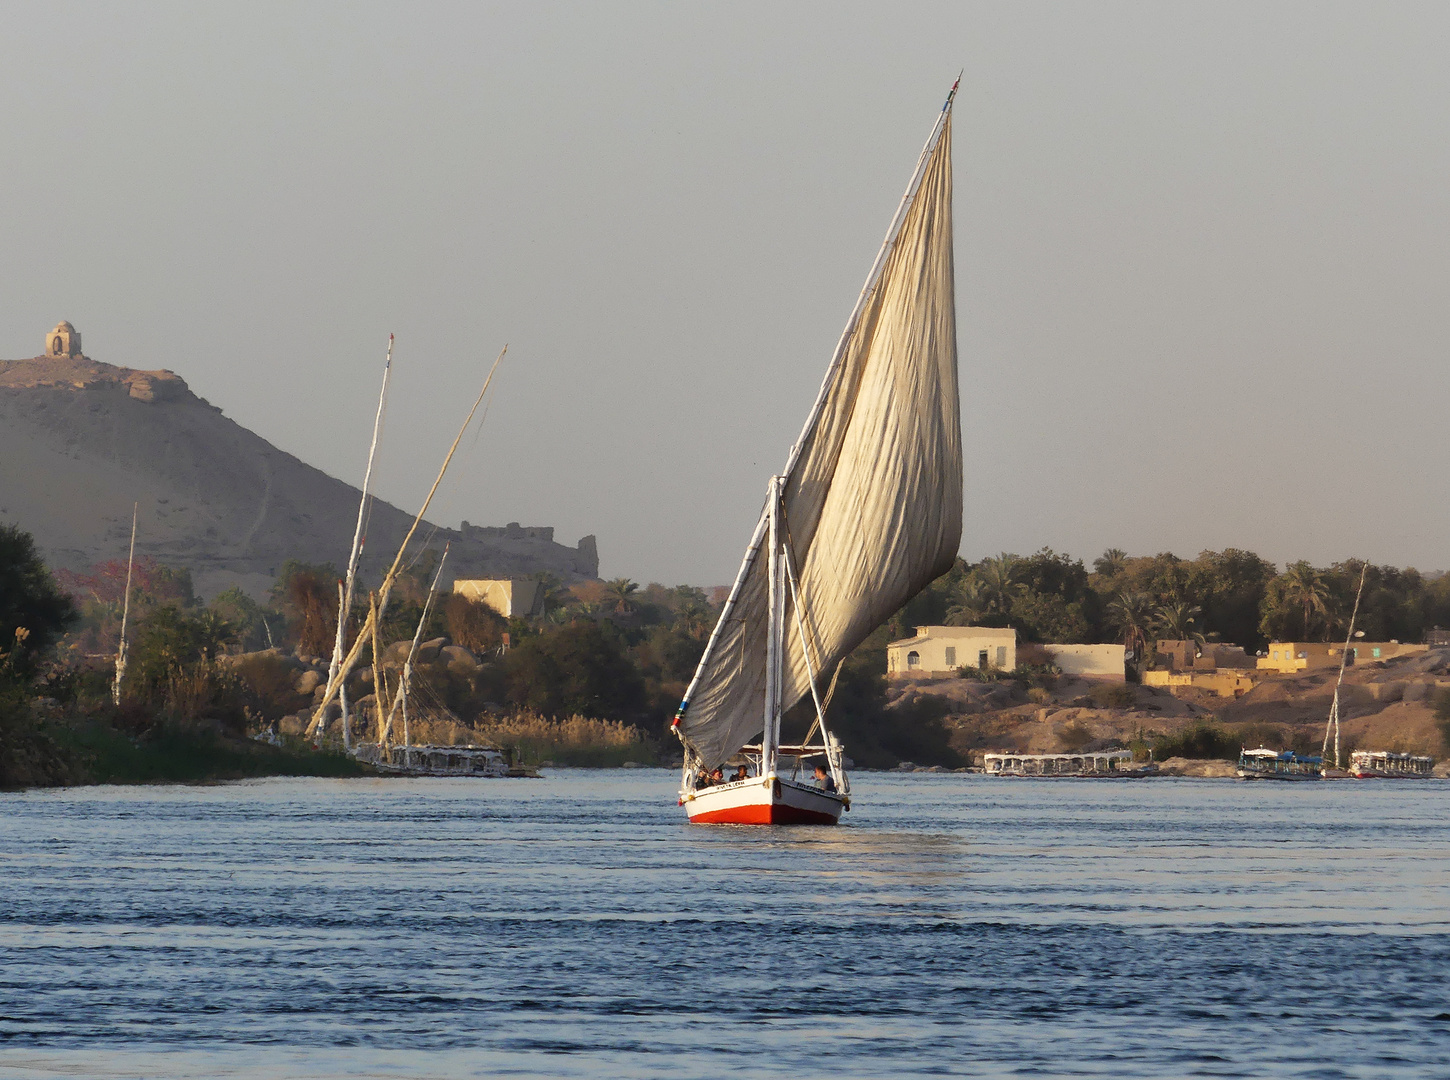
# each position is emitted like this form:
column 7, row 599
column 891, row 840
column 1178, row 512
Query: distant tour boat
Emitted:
column 1386, row 765
column 1264, row 764
column 1104, row 765
column 426, row 760
column 866, row 513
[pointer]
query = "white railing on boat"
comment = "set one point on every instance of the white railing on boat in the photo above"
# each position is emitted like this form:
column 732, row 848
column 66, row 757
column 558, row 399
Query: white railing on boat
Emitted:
column 1389, row 763
column 1100, row 763
column 429, row 760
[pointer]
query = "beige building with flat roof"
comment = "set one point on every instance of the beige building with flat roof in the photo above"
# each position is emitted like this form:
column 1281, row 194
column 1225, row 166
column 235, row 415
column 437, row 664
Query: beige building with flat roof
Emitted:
column 941, row 650
column 1105, row 662
column 1287, row 657
column 508, row 596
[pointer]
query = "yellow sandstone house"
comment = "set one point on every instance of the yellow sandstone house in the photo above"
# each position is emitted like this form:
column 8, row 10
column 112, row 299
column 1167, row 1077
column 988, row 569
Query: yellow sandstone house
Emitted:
column 508, row 596
column 1288, row 657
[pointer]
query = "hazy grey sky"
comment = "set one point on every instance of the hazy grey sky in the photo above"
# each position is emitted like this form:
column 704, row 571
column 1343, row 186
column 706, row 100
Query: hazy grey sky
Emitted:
column 1202, row 250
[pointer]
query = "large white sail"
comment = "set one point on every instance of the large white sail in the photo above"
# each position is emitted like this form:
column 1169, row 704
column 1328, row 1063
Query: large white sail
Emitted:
column 872, row 495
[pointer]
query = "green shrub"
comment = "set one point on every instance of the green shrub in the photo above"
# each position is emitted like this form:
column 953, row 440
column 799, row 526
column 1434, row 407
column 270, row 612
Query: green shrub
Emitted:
column 577, row 670
column 1074, row 737
column 1442, row 714
column 1202, row 740
column 987, row 674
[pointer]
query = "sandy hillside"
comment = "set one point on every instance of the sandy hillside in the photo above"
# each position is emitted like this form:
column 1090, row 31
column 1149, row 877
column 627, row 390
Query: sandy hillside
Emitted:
column 82, row 441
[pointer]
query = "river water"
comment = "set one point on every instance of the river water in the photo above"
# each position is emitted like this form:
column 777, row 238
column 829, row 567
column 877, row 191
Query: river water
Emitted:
column 574, row 926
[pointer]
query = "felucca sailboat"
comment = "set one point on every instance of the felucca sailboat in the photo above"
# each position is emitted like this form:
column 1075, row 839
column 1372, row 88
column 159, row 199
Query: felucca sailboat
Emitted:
column 866, row 513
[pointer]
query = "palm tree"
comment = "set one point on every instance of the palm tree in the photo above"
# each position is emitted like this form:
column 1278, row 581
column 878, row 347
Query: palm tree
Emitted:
column 1132, row 613
column 1304, row 587
column 997, row 583
column 966, row 603
column 693, row 616
column 553, row 594
column 1177, row 621
column 618, row 593
column 1111, row 562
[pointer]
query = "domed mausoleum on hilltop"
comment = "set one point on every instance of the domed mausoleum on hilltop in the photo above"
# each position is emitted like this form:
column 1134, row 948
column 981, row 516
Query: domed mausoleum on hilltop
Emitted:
column 64, row 340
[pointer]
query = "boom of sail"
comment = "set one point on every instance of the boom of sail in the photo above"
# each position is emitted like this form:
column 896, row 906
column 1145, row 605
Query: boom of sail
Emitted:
column 870, row 502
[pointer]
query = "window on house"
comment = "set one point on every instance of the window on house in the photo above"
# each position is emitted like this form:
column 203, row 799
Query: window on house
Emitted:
column 1276, row 654
column 913, row 659
column 1376, row 650
column 951, row 656
column 982, row 659
column 1002, row 656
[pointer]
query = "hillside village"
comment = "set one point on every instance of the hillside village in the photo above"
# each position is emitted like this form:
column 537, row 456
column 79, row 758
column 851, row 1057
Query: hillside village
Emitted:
column 1076, row 698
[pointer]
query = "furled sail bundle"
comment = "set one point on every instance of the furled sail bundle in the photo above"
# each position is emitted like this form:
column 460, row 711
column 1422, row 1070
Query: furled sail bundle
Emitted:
column 871, row 497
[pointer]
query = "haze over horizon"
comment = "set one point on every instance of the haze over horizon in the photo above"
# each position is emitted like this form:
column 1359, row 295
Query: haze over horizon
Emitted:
column 1201, row 252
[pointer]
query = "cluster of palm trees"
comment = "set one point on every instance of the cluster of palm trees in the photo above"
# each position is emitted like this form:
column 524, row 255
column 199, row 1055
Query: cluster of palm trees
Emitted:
column 989, row 589
column 1141, row 619
column 1303, row 588
column 691, row 611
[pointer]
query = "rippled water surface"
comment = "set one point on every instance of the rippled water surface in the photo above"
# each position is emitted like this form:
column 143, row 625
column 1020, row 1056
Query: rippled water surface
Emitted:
column 576, row 927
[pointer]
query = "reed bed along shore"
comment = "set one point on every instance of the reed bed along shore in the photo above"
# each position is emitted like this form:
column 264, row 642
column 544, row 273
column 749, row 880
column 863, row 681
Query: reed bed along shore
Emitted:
column 531, row 738
column 576, row 740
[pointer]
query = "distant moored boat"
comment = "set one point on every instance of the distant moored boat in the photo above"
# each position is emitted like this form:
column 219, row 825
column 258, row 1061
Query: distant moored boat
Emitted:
column 1264, row 764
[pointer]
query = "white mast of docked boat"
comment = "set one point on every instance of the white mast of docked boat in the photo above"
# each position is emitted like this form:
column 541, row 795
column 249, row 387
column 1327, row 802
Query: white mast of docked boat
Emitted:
column 405, row 681
column 369, row 629
column 344, row 606
column 125, row 611
column 1333, row 720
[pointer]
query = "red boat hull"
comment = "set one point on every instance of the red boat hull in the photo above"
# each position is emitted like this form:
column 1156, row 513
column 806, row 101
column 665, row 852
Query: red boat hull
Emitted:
column 754, row 802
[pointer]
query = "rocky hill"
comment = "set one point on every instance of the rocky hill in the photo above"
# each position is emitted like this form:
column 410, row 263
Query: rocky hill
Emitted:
column 81, row 441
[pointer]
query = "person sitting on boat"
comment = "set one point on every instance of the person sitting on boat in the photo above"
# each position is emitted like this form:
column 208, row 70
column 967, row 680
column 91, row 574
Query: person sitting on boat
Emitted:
column 703, row 780
column 741, row 773
column 717, row 777
column 823, row 779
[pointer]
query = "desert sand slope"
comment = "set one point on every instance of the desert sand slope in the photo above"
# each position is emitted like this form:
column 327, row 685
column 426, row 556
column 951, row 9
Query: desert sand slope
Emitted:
column 81, row 441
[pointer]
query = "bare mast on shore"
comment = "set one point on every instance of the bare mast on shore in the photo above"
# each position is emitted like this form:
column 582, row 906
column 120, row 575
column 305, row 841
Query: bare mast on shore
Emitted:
column 125, row 611
column 369, row 629
column 1333, row 721
column 345, row 588
column 405, row 679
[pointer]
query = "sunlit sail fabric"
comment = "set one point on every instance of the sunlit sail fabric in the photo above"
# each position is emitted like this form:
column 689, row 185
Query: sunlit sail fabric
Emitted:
column 873, row 497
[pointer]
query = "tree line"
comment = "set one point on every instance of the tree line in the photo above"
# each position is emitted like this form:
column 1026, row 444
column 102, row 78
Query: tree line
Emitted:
column 1232, row 596
column 619, row 650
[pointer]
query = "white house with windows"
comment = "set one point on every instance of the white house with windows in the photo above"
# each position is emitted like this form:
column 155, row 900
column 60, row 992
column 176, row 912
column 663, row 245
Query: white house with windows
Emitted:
column 941, row 650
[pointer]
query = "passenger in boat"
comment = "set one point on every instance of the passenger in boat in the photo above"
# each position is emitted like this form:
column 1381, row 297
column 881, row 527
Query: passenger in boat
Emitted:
column 823, row 779
column 703, row 780
column 717, row 777
column 741, row 773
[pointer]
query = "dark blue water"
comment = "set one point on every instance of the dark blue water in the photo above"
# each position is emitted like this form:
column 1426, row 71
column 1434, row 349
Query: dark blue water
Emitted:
column 576, row 927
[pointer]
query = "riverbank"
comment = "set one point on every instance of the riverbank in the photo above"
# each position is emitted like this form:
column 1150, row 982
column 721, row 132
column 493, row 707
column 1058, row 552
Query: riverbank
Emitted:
column 59, row 755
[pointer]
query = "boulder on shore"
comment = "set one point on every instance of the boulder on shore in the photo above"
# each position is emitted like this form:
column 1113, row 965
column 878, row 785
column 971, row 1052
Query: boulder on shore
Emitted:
column 428, row 651
column 308, row 681
column 457, row 654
